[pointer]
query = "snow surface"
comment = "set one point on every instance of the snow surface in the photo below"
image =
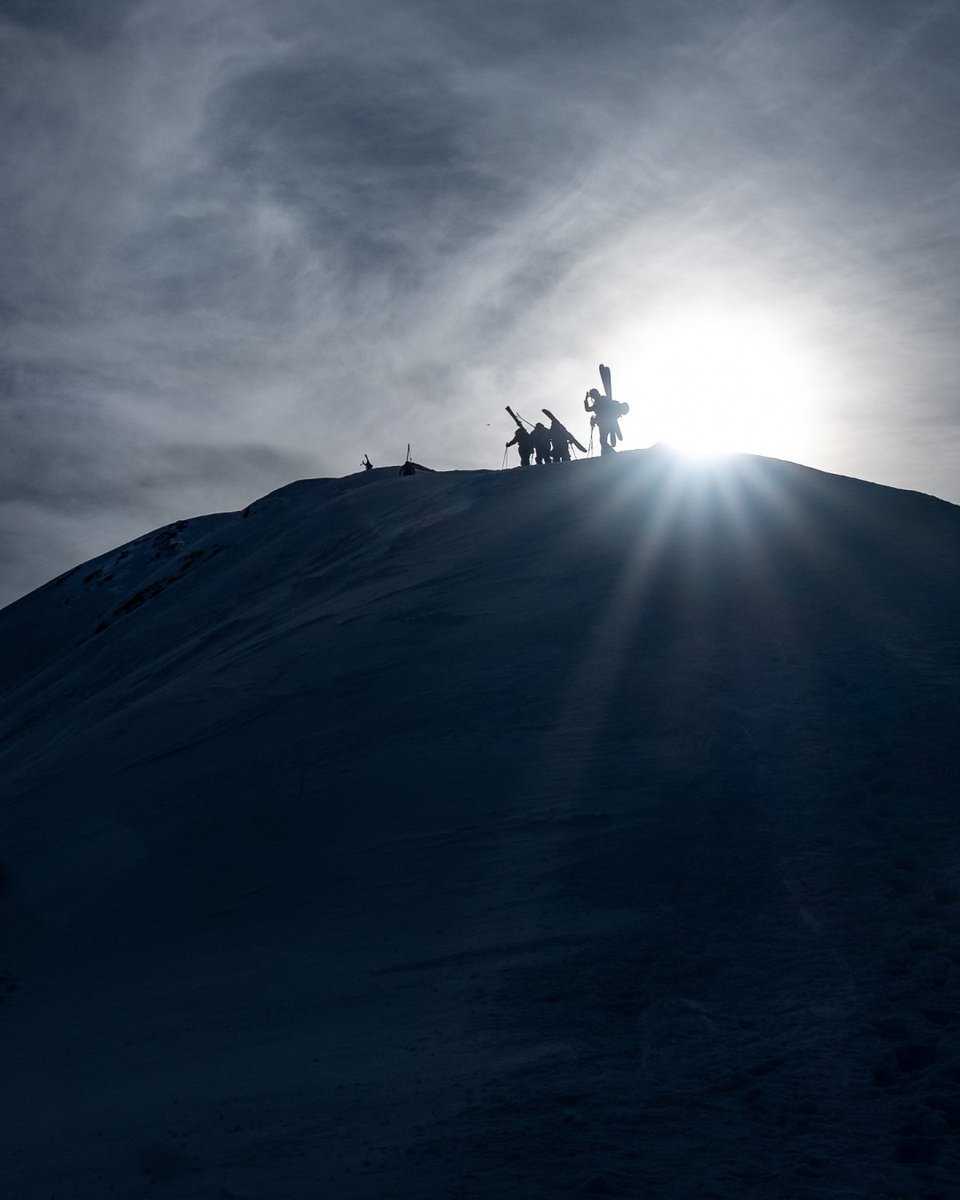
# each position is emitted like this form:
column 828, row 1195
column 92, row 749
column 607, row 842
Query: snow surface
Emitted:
column 586, row 830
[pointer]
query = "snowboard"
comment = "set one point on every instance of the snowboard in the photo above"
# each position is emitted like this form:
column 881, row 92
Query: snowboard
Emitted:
column 619, row 409
column 605, row 380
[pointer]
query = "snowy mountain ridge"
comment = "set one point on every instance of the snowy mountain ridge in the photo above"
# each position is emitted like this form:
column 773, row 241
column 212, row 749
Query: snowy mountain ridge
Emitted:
column 581, row 830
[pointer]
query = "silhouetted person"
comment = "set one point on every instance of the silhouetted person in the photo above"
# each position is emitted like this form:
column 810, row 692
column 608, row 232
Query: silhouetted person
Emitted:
column 523, row 440
column 541, row 443
column 559, row 442
column 605, row 416
column 407, row 469
column 367, row 464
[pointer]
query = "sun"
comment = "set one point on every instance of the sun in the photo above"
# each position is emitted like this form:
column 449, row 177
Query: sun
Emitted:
column 712, row 381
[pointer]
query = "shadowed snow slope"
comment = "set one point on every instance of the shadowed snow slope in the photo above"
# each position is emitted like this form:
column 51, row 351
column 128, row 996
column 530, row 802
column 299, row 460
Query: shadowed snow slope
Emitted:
column 583, row 830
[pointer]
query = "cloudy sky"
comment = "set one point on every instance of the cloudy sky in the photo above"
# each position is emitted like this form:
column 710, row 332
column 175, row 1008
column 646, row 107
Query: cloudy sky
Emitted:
column 247, row 241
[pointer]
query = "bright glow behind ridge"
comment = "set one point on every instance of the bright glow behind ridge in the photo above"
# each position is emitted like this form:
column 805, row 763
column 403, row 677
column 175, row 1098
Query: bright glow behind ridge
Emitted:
column 714, row 382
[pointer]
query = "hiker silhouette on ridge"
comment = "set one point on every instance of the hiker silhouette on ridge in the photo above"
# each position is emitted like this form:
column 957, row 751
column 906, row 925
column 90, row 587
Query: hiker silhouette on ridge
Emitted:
column 606, row 413
column 541, row 443
column 523, row 440
column 559, row 441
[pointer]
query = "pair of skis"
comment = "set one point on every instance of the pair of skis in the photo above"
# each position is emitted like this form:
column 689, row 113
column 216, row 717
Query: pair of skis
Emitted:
column 569, row 435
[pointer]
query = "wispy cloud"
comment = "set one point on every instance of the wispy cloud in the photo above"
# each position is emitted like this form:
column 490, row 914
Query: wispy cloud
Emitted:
column 285, row 234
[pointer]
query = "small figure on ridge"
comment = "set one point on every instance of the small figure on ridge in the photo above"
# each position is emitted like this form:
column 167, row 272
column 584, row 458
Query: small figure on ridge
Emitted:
column 561, row 439
column 541, row 443
column 523, row 440
column 606, row 412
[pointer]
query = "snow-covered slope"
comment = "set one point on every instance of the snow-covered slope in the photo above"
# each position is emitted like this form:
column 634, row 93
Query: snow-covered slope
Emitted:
column 581, row 830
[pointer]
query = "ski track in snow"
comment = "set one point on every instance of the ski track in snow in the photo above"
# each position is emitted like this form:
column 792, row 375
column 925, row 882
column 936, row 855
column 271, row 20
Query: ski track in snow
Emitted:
column 581, row 831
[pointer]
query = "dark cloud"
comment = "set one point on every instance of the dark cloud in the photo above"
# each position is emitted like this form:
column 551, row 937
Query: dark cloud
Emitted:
column 377, row 166
column 74, row 470
column 86, row 22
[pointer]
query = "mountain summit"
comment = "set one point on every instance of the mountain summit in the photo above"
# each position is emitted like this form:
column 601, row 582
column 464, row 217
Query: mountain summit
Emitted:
column 584, row 830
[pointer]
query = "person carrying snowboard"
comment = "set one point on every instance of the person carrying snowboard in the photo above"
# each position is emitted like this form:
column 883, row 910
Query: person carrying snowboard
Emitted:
column 606, row 412
column 523, row 440
column 604, row 418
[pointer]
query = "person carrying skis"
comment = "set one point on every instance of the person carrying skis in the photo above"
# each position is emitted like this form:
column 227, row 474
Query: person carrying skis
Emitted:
column 367, row 464
column 559, row 442
column 541, row 443
column 523, row 440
